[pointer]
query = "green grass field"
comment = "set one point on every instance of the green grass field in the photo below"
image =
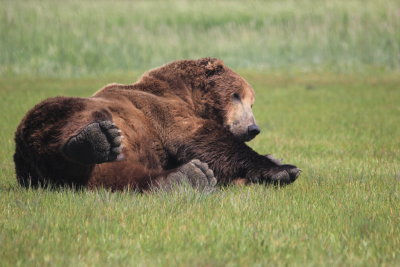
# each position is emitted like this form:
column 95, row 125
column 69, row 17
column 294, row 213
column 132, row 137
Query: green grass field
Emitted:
column 327, row 81
column 343, row 131
column 76, row 38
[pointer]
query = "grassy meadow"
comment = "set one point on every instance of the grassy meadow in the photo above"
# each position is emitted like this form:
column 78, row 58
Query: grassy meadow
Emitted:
column 327, row 80
column 76, row 38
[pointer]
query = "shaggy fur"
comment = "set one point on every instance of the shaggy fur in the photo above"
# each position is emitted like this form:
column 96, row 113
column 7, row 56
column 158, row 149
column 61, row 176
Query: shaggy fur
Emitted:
column 172, row 115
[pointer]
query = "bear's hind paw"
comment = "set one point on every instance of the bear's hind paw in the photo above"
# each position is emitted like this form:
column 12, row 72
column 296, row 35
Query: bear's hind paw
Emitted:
column 97, row 142
column 195, row 173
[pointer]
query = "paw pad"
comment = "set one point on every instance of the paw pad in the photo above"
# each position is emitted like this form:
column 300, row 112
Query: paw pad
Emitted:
column 97, row 142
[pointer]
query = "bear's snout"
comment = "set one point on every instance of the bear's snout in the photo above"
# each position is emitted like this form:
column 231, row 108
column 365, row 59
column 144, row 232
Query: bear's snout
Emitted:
column 253, row 130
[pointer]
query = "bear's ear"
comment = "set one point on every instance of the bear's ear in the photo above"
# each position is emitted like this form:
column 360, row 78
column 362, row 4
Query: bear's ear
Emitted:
column 212, row 66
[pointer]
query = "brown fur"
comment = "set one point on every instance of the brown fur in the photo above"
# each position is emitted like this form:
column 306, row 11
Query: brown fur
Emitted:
column 173, row 114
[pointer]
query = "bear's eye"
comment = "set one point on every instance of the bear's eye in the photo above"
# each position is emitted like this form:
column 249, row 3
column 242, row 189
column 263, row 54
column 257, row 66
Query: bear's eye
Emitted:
column 236, row 96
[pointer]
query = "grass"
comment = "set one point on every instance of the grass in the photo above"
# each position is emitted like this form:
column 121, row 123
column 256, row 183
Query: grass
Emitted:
column 77, row 38
column 342, row 130
column 326, row 74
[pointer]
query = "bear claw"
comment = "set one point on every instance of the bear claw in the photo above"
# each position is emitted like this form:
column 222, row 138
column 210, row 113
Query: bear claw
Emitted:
column 97, row 142
column 284, row 174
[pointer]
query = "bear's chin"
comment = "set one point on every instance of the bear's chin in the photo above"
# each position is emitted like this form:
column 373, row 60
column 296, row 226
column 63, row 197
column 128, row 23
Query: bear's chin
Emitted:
column 245, row 137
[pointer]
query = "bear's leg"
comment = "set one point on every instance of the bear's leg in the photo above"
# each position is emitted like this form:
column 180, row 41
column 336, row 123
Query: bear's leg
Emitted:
column 195, row 173
column 51, row 138
column 98, row 142
column 135, row 176
column 230, row 158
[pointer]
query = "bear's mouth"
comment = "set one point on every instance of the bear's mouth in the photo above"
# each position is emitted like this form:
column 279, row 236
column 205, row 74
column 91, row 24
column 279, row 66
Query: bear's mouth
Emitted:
column 244, row 136
column 249, row 137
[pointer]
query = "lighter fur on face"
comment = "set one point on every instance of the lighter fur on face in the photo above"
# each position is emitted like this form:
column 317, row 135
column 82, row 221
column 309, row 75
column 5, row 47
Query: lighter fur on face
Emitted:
column 239, row 115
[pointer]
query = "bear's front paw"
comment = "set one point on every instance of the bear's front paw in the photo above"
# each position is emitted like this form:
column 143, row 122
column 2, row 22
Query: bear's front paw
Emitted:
column 278, row 175
column 283, row 174
column 98, row 142
column 197, row 174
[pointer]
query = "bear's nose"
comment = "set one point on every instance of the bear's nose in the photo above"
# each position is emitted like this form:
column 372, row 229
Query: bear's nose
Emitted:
column 253, row 130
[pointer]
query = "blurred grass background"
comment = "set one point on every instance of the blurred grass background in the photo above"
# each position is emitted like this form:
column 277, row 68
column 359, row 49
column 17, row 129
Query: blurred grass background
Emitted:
column 77, row 38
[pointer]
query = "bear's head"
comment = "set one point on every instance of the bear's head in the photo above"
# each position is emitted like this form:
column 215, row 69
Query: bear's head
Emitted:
column 228, row 98
column 217, row 92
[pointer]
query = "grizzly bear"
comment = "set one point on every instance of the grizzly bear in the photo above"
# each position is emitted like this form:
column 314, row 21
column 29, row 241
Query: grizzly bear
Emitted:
column 186, row 121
